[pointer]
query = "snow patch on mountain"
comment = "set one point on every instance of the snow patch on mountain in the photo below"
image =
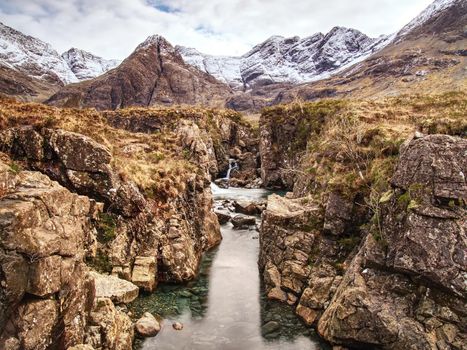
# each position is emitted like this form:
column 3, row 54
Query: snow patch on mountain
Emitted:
column 85, row 65
column 33, row 57
column 436, row 7
column 294, row 60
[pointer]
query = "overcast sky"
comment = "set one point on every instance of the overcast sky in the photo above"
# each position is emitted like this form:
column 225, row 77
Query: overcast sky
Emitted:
column 113, row 28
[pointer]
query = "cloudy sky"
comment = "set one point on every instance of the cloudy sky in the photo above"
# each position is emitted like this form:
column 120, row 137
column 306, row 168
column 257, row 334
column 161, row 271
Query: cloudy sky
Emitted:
column 113, row 28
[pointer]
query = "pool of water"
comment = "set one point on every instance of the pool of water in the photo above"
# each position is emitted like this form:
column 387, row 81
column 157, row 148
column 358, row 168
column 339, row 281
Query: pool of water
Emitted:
column 225, row 307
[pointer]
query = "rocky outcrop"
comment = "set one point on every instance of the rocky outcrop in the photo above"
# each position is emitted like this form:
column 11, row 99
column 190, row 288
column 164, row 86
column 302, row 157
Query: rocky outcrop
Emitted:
column 406, row 286
column 130, row 227
column 46, row 232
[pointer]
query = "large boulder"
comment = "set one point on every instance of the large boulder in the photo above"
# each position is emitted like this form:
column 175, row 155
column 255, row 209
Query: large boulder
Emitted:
column 406, row 286
column 114, row 288
column 147, row 325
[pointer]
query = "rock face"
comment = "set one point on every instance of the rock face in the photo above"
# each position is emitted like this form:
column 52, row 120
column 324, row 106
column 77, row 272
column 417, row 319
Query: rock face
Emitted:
column 47, row 232
column 145, row 272
column 286, row 241
column 109, row 328
column 153, row 74
column 406, row 286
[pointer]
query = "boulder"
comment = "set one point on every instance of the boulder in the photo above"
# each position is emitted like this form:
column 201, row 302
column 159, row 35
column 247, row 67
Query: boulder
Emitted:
column 222, row 216
column 145, row 272
column 247, row 208
column 177, row 326
column 148, row 325
column 114, row 288
column 241, row 222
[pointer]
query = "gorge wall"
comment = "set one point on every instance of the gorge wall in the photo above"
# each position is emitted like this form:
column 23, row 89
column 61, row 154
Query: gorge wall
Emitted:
column 369, row 246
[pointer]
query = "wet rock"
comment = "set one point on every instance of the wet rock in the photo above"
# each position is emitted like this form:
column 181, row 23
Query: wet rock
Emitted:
column 270, row 327
column 114, row 288
column 177, row 326
column 243, row 222
column 148, row 325
column 144, row 273
column 222, row 183
column 222, row 216
column 247, row 208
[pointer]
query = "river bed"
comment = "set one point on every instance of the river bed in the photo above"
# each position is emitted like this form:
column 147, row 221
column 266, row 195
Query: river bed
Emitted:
column 225, row 307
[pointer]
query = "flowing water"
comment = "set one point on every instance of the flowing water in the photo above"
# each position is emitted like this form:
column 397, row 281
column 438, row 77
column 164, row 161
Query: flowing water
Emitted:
column 225, row 307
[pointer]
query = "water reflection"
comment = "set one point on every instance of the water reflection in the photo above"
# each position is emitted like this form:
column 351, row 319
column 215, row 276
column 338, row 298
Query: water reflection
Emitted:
column 225, row 308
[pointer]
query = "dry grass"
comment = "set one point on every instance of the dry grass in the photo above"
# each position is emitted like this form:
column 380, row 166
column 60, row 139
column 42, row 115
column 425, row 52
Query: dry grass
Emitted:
column 351, row 146
column 156, row 162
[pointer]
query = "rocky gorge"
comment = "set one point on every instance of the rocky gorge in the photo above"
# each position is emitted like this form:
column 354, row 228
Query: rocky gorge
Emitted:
column 367, row 247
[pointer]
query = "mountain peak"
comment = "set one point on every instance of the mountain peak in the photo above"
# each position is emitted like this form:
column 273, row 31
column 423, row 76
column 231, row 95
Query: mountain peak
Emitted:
column 86, row 65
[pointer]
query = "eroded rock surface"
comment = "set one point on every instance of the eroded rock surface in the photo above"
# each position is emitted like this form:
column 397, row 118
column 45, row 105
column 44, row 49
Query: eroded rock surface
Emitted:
column 46, row 232
column 406, row 286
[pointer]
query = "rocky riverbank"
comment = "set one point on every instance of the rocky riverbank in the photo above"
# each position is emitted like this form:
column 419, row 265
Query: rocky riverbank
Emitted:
column 125, row 193
column 369, row 246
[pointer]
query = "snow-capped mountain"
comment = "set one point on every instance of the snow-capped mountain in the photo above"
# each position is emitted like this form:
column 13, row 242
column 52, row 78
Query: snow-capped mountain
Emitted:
column 431, row 11
column 33, row 57
column 292, row 60
column 41, row 61
column 85, row 65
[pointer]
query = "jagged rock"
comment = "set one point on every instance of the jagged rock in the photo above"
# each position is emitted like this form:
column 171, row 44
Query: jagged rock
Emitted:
column 34, row 322
column 241, row 222
column 404, row 288
column 116, row 327
column 338, row 214
column 114, row 288
column 148, row 325
column 44, row 276
column 145, row 272
column 286, row 240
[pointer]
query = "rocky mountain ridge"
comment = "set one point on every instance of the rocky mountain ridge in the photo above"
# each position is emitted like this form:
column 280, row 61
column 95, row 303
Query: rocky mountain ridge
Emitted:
column 292, row 60
column 87, row 66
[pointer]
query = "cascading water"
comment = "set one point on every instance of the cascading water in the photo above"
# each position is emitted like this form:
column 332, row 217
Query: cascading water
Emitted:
column 232, row 166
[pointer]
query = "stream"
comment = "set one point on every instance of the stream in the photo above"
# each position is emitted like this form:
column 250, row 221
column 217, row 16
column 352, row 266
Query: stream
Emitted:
column 225, row 307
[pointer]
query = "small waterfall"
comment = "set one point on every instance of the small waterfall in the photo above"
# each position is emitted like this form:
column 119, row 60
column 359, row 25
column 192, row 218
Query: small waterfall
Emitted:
column 232, row 166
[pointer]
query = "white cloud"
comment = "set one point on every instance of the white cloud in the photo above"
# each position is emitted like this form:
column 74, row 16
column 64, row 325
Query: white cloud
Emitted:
column 113, row 28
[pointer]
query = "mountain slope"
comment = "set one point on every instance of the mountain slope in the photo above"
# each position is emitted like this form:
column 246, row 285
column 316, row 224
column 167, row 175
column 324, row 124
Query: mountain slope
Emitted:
column 292, row 60
column 87, row 66
column 427, row 56
column 153, row 74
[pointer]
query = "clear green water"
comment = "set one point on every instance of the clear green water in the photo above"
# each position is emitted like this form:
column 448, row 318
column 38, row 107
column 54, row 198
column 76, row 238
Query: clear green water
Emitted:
column 225, row 307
